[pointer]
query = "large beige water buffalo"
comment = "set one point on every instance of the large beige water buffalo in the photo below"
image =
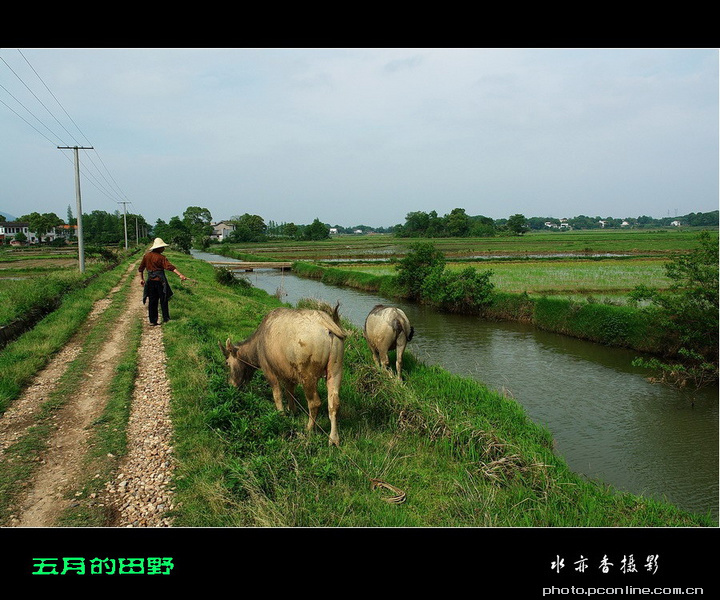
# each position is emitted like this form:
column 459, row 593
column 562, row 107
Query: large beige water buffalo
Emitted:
column 291, row 347
column 387, row 328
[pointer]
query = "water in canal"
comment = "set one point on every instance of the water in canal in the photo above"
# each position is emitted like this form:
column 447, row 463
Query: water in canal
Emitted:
column 608, row 421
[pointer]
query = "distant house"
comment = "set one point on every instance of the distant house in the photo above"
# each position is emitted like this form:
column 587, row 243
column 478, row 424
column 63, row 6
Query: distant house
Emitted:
column 563, row 224
column 222, row 230
column 333, row 231
column 676, row 223
column 9, row 229
column 65, row 231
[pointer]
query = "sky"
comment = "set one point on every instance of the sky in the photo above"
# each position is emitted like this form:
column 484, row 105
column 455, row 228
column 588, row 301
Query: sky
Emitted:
column 360, row 136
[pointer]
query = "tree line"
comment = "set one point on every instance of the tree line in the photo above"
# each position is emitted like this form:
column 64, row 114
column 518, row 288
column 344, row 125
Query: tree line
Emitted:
column 457, row 223
column 100, row 228
column 194, row 229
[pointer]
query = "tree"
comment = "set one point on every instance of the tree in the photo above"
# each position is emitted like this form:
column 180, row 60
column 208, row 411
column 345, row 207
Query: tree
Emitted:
column 176, row 233
column 290, row 230
column 517, row 224
column 422, row 260
column 481, row 226
column 316, row 231
column 198, row 222
column 416, row 224
column 422, row 274
column 457, row 223
column 102, row 228
column 463, row 292
column 689, row 313
column 41, row 224
column 252, row 226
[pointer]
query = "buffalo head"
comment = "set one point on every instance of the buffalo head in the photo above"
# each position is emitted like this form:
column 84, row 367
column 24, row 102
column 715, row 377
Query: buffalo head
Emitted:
column 240, row 370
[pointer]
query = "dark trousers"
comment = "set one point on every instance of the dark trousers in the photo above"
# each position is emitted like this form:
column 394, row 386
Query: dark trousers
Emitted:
column 155, row 296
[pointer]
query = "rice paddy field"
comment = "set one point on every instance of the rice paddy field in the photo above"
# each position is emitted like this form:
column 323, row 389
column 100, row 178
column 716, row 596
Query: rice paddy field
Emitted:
column 600, row 279
column 596, row 265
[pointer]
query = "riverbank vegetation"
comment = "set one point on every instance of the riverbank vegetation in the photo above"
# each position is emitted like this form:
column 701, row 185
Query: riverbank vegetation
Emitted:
column 603, row 295
column 689, row 308
column 461, row 454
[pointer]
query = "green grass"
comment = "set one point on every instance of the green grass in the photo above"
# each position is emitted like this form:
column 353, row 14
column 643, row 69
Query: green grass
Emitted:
column 24, row 357
column 463, row 454
column 646, row 242
column 603, row 278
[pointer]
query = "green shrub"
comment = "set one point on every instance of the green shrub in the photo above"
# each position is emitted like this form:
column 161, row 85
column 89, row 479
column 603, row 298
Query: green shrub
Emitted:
column 465, row 292
column 226, row 276
column 417, row 265
column 689, row 313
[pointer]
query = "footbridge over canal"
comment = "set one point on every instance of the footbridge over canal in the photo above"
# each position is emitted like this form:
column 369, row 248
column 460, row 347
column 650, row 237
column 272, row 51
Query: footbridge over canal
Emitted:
column 251, row 265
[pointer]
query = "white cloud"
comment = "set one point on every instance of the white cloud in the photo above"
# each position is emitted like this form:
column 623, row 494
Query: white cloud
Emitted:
column 367, row 135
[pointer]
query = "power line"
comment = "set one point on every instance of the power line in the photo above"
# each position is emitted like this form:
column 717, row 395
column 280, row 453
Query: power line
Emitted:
column 97, row 178
column 53, row 95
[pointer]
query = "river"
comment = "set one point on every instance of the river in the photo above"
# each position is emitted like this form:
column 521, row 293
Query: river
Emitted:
column 608, row 421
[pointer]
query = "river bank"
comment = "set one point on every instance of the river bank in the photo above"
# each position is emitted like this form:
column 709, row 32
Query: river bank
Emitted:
column 605, row 416
column 607, row 324
column 601, row 323
column 441, row 394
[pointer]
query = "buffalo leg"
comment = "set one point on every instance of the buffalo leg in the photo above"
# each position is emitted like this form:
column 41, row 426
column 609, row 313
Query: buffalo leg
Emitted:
column 313, row 402
column 333, row 387
column 398, row 360
column 334, row 379
column 276, row 391
column 376, row 356
column 289, row 390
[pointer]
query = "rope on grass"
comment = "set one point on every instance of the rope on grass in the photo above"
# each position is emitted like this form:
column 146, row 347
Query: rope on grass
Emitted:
column 399, row 497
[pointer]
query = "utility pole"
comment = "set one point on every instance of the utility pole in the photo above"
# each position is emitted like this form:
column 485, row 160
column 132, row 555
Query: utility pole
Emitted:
column 81, row 242
column 125, row 221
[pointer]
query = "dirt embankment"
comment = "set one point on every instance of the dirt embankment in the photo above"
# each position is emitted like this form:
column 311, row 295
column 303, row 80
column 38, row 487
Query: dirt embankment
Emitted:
column 140, row 494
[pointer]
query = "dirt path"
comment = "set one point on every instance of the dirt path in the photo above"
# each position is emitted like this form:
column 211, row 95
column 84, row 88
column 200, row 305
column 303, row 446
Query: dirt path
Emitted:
column 140, row 494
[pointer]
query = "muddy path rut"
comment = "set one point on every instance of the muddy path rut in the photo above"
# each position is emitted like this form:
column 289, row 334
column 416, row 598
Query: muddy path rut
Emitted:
column 140, row 492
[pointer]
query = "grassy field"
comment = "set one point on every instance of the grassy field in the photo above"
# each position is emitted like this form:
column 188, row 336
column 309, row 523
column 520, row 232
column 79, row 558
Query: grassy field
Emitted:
column 599, row 278
column 633, row 242
column 33, row 280
column 600, row 265
column 462, row 455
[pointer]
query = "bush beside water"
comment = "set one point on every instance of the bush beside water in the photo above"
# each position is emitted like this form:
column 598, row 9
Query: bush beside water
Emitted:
column 607, row 324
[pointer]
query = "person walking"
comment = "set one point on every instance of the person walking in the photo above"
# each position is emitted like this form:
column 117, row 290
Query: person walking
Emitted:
column 156, row 289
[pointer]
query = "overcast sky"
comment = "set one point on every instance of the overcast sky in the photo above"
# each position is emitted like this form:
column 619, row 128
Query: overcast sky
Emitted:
column 361, row 136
